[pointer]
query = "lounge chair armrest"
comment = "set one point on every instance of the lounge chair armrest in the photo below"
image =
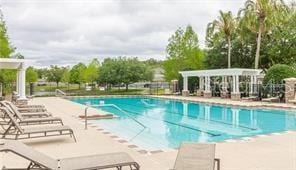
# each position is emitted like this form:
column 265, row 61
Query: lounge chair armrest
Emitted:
column 217, row 160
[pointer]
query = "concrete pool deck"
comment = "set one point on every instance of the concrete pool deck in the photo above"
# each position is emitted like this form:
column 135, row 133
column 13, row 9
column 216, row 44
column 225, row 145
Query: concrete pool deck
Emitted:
column 243, row 103
column 265, row 152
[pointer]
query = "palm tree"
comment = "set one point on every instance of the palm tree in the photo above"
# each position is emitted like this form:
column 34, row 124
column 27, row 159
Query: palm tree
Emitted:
column 225, row 25
column 258, row 16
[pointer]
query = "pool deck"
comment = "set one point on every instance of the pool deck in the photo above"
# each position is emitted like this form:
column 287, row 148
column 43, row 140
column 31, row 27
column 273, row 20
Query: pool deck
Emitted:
column 265, row 152
column 229, row 102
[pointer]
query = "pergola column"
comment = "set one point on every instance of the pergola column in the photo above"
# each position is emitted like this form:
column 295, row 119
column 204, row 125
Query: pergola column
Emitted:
column 207, row 92
column 233, row 84
column 235, row 94
column 185, row 91
column 290, row 84
column 237, row 83
column 224, row 87
column 251, row 85
column 201, row 83
column 201, row 86
column 21, row 83
column 255, row 84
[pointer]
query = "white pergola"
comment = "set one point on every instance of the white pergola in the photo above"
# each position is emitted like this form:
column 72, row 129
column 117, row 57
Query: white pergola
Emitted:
column 20, row 65
column 205, row 77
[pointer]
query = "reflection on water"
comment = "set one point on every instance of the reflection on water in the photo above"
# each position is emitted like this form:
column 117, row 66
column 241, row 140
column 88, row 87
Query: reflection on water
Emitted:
column 168, row 123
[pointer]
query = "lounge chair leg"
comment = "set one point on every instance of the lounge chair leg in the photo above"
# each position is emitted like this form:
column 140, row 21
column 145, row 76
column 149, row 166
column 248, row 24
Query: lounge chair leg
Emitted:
column 72, row 134
column 137, row 166
column 218, row 163
column 7, row 131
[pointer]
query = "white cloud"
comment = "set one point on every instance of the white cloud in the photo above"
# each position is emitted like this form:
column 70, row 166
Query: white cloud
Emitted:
column 70, row 31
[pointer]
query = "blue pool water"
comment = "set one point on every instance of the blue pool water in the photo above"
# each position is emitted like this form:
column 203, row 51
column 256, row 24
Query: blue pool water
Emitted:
column 161, row 124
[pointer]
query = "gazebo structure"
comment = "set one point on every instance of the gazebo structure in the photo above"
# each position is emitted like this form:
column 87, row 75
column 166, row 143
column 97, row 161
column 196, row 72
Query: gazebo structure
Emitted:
column 231, row 74
column 20, row 65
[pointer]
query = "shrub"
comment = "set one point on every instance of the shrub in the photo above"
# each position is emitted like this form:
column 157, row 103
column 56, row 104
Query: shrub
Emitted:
column 278, row 72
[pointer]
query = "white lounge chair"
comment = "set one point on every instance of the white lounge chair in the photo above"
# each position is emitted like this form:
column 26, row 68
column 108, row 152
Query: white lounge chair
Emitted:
column 196, row 156
column 41, row 161
column 251, row 98
column 14, row 130
column 24, row 120
column 271, row 99
column 27, row 112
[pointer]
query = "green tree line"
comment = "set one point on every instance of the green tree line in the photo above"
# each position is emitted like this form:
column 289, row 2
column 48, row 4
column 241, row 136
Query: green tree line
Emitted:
column 112, row 71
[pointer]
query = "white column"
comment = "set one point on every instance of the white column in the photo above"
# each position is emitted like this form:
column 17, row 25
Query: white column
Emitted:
column 233, row 83
column 185, row 83
column 22, row 83
column 255, row 84
column 204, row 83
column 16, row 83
column 224, row 83
column 208, row 83
column 251, row 85
column 237, row 83
column 201, row 83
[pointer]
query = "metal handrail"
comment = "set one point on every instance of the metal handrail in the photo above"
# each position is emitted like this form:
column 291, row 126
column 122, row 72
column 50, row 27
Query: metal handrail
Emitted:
column 58, row 91
column 118, row 108
column 85, row 117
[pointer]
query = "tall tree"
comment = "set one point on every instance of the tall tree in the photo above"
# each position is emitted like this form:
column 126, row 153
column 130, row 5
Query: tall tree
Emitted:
column 183, row 52
column 92, row 71
column 133, row 71
column 5, row 47
column 55, row 74
column 109, row 72
column 124, row 70
column 225, row 25
column 66, row 77
column 31, row 75
column 6, row 76
column 258, row 16
column 77, row 74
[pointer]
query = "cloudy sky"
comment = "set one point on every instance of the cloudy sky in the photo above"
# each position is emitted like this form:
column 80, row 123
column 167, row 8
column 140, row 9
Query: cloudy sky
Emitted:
column 65, row 32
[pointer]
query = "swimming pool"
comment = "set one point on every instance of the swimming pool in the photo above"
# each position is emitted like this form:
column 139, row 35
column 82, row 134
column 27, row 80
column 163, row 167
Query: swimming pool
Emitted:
column 161, row 124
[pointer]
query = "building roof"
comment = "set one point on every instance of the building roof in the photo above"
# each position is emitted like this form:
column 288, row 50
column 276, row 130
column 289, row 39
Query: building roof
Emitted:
column 222, row 72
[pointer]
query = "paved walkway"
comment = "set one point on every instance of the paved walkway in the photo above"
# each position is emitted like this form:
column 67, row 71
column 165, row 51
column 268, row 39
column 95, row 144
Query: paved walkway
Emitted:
column 274, row 152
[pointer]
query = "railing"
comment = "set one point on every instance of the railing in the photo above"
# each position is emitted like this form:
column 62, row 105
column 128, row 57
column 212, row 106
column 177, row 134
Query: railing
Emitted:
column 118, row 108
column 59, row 92
column 85, row 116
